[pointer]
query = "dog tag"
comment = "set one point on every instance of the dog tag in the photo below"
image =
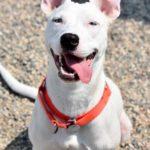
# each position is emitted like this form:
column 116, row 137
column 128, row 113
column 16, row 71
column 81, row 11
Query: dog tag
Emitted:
column 73, row 128
column 55, row 129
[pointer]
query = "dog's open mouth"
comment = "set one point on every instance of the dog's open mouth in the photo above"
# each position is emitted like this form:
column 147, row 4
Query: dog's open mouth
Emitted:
column 73, row 68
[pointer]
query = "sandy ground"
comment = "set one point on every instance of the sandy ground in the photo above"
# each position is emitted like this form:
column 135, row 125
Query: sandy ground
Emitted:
column 23, row 52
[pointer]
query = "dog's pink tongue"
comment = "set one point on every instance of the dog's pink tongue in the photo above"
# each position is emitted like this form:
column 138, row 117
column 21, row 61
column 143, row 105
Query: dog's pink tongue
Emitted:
column 82, row 67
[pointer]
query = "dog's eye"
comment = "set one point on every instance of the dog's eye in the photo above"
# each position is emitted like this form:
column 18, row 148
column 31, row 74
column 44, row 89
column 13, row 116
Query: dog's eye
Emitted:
column 93, row 23
column 57, row 20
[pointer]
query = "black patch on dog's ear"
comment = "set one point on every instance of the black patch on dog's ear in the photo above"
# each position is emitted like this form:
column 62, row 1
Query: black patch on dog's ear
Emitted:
column 80, row 1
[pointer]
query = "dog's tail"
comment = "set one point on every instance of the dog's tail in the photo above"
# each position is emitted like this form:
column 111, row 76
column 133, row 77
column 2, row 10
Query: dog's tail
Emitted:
column 16, row 86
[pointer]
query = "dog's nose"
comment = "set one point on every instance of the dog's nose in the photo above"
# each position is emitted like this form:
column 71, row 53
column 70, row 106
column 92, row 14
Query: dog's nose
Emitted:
column 69, row 41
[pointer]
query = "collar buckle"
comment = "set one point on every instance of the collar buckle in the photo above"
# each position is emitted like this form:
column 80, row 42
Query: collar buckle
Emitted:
column 72, row 126
column 72, row 121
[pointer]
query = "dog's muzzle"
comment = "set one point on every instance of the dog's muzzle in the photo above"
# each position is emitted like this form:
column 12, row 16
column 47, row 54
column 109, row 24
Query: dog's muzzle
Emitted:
column 73, row 68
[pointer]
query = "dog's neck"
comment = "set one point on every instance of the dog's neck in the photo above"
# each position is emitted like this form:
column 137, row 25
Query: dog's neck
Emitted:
column 76, row 98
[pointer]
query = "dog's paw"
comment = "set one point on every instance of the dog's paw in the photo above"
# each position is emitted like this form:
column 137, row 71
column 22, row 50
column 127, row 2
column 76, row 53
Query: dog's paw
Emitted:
column 126, row 127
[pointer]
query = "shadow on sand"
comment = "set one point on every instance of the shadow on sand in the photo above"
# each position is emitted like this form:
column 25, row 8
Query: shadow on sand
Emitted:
column 21, row 142
column 138, row 10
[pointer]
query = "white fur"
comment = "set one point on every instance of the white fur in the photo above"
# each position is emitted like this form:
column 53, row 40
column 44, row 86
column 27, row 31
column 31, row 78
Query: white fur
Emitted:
column 73, row 98
column 76, row 98
column 16, row 86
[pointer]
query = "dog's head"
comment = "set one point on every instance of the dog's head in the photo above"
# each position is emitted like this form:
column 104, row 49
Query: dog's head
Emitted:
column 76, row 34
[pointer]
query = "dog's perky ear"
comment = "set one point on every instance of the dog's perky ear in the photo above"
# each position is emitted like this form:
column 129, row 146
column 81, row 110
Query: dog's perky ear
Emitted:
column 48, row 5
column 110, row 7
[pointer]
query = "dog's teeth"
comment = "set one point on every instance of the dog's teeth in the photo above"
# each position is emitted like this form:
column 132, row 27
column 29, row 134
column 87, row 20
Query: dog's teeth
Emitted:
column 66, row 73
column 60, row 58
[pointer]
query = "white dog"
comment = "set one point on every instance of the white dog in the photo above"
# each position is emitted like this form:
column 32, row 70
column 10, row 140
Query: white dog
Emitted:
column 78, row 107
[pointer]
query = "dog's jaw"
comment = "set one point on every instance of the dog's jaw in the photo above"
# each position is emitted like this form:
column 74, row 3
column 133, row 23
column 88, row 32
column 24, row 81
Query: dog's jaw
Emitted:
column 74, row 98
column 72, row 68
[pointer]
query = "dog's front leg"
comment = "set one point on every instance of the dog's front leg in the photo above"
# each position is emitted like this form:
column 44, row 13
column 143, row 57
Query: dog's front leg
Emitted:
column 126, row 126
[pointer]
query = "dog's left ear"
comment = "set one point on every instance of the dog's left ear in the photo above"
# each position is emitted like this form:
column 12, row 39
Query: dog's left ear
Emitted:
column 110, row 7
column 48, row 5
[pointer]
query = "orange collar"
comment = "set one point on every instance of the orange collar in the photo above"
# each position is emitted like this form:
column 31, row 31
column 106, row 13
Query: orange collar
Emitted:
column 65, row 121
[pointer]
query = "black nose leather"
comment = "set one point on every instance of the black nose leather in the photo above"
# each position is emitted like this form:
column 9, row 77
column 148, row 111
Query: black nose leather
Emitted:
column 69, row 41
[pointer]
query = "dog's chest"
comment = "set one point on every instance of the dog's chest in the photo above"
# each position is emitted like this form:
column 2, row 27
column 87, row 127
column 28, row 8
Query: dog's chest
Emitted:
column 93, row 136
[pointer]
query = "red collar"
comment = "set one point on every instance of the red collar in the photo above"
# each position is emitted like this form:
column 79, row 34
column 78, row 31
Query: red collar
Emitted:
column 64, row 121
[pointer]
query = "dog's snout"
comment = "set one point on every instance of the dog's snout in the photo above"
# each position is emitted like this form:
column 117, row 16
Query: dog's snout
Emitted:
column 69, row 41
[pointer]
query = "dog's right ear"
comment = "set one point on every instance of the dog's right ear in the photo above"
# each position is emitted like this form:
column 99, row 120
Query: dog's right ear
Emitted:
column 48, row 5
column 110, row 7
